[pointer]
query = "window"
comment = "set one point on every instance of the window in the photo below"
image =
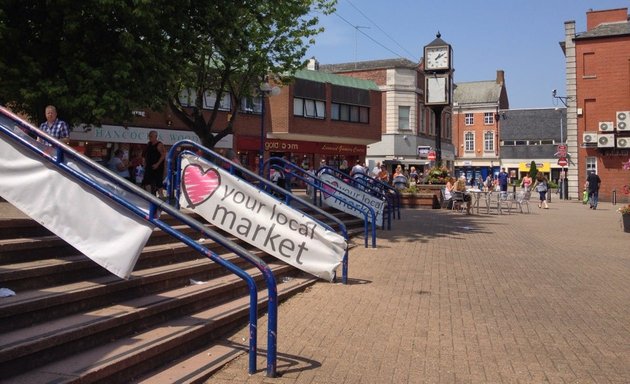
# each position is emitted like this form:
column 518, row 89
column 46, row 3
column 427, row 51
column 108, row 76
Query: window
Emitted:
column 209, row 98
column 469, row 119
column 352, row 113
column 187, row 97
column 469, row 142
column 488, row 141
column 251, row 104
column 403, row 118
column 488, row 118
column 314, row 109
column 591, row 164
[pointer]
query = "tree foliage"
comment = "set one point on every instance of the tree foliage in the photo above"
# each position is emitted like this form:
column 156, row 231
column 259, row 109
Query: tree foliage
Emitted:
column 93, row 59
column 240, row 43
column 533, row 170
column 102, row 59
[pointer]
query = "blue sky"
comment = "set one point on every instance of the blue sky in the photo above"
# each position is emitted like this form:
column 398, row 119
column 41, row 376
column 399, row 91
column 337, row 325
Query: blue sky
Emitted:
column 520, row 37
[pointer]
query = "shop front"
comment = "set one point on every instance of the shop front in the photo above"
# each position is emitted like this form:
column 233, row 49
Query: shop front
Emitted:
column 305, row 154
column 544, row 167
column 99, row 143
column 475, row 171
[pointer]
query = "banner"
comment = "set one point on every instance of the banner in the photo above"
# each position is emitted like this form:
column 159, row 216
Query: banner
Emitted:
column 342, row 202
column 244, row 211
column 92, row 223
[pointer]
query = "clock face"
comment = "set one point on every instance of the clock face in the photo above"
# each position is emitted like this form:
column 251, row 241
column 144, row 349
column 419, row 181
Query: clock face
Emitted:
column 436, row 58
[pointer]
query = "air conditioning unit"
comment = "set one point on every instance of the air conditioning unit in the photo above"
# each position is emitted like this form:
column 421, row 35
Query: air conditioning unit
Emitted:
column 605, row 140
column 589, row 138
column 623, row 121
column 623, row 142
column 606, row 126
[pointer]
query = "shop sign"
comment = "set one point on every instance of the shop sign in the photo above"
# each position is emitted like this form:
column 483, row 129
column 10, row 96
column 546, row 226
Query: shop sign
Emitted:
column 343, row 149
column 138, row 135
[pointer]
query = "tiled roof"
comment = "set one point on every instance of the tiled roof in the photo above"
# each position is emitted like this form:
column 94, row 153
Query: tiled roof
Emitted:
column 346, row 81
column 477, row 92
column 532, row 124
column 367, row 65
column 606, row 30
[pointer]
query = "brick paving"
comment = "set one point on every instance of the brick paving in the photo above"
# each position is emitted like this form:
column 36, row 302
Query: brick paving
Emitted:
column 449, row 298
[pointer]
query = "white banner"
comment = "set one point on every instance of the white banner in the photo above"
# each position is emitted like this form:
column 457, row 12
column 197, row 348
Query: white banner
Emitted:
column 244, row 211
column 342, row 202
column 90, row 222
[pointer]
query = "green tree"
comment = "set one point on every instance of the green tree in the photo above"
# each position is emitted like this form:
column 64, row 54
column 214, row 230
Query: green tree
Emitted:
column 533, row 171
column 93, row 59
column 240, row 44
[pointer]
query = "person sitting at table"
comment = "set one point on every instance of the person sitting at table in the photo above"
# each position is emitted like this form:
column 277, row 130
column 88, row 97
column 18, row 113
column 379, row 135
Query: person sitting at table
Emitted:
column 460, row 186
column 448, row 188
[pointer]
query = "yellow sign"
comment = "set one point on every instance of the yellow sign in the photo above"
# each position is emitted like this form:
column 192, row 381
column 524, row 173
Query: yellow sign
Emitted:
column 542, row 167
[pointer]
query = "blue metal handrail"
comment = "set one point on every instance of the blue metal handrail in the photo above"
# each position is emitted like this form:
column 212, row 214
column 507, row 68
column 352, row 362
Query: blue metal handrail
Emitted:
column 317, row 184
column 8, row 119
column 362, row 184
column 392, row 191
column 174, row 180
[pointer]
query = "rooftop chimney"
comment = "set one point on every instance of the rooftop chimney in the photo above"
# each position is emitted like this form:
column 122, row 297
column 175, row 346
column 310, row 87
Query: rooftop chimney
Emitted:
column 313, row 64
column 500, row 76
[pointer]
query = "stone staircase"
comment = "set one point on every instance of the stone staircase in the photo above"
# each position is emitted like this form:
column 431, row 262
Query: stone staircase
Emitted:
column 72, row 321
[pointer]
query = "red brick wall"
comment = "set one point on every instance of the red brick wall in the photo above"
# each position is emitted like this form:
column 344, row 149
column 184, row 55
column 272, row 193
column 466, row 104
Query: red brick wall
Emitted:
column 595, row 18
column 601, row 92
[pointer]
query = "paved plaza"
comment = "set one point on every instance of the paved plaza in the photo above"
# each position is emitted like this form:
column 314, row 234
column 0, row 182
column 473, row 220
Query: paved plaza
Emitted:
column 450, row 298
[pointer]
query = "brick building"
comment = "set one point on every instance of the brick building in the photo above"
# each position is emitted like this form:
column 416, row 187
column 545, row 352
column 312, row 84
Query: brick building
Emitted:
column 476, row 126
column 598, row 101
column 406, row 122
column 319, row 116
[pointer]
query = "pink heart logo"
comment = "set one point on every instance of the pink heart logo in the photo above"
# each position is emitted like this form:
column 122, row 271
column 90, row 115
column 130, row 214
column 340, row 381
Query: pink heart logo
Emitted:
column 330, row 190
column 198, row 185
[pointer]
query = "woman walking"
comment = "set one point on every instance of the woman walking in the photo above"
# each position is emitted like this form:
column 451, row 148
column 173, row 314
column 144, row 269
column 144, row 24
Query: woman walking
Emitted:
column 541, row 187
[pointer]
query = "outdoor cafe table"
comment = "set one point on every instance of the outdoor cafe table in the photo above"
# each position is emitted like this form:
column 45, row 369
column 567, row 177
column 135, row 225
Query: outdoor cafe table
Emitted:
column 478, row 195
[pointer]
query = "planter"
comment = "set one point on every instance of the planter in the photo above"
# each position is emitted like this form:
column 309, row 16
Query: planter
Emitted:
column 625, row 222
column 416, row 200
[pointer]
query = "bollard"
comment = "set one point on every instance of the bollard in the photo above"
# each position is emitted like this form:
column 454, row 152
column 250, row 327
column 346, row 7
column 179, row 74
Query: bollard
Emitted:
column 614, row 197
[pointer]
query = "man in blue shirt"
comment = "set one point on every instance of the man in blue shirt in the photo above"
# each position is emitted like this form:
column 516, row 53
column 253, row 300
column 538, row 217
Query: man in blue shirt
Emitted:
column 55, row 127
column 503, row 180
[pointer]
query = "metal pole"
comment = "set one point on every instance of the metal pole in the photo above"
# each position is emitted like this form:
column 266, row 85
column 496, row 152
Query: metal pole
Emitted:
column 261, row 150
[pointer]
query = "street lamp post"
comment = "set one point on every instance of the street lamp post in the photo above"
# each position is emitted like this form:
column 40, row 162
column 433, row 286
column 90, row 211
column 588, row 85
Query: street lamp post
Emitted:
column 265, row 89
column 564, row 186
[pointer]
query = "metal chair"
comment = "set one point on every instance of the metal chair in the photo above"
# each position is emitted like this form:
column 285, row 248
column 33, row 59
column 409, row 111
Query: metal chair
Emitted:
column 444, row 202
column 458, row 200
column 500, row 200
column 521, row 199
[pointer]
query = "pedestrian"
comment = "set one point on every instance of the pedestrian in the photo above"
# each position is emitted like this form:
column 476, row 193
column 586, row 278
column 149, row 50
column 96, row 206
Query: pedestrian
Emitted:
column 541, row 187
column 136, row 166
column 489, row 183
column 120, row 164
column 377, row 168
column 154, row 156
column 593, row 189
column 54, row 126
column 503, row 180
column 527, row 182
column 358, row 169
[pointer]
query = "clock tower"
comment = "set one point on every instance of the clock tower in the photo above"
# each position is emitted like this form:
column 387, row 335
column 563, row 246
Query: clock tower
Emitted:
column 438, row 83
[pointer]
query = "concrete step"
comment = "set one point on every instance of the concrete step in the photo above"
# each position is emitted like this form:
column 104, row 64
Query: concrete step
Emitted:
column 125, row 359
